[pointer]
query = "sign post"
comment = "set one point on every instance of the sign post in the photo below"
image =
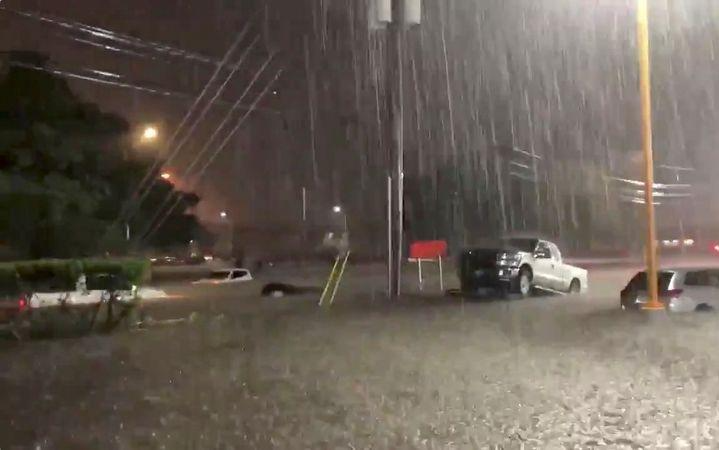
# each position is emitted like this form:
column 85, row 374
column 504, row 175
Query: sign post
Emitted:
column 428, row 251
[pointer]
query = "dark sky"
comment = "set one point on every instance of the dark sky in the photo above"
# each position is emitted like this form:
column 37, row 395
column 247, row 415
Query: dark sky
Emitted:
column 205, row 27
column 554, row 77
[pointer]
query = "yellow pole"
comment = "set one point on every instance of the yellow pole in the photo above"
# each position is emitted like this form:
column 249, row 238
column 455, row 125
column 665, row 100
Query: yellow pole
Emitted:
column 646, row 100
column 329, row 280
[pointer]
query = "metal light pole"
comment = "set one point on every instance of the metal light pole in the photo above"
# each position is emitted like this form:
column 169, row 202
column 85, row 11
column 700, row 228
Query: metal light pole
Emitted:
column 396, row 15
column 646, row 101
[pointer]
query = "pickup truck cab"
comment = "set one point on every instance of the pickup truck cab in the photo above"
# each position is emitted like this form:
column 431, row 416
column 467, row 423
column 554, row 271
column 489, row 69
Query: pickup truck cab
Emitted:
column 518, row 266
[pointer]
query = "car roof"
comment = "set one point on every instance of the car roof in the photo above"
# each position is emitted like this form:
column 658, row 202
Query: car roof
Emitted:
column 690, row 268
column 678, row 269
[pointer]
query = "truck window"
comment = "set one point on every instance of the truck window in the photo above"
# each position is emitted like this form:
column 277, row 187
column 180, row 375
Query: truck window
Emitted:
column 556, row 255
column 543, row 248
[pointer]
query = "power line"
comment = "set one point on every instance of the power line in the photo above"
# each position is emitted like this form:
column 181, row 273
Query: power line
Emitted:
column 77, row 76
column 150, row 90
column 191, row 130
column 112, row 36
column 148, row 177
column 211, row 140
column 216, row 153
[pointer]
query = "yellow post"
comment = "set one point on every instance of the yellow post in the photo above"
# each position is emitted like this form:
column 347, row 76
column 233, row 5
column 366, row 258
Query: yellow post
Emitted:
column 646, row 100
column 330, row 280
column 339, row 277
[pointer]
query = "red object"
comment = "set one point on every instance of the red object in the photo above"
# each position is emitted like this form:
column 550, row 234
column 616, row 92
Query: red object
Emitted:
column 428, row 250
column 674, row 293
column 22, row 304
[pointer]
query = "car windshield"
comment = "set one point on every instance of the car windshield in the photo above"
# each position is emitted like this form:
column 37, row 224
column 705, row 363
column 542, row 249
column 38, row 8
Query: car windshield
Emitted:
column 220, row 275
column 522, row 244
column 639, row 281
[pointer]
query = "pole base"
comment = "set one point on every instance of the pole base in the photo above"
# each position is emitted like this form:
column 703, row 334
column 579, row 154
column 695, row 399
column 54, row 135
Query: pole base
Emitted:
column 653, row 306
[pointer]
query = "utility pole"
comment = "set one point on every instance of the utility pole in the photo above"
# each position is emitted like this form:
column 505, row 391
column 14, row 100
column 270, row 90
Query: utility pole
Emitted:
column 396, row 16
column 646, row 102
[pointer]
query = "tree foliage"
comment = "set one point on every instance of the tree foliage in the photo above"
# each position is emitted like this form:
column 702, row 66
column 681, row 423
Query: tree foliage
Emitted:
column 64, row 175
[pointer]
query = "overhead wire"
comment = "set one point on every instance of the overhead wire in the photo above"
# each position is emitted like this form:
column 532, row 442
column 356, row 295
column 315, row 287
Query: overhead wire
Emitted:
column 214, row 155
column 112, row 36
column 188, row 171
column 192, row 128
column 151, row 90
column 81, row 77
column 156, row 164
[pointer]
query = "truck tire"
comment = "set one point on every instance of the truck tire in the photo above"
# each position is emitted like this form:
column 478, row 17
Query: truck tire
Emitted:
column 524, row 282
column 575, row 287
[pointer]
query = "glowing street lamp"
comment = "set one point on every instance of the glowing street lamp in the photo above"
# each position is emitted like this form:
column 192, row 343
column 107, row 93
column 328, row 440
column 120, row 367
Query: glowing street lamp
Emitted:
column 337, row 209
column 150, row 133
column 166, row 176
column 223, row 214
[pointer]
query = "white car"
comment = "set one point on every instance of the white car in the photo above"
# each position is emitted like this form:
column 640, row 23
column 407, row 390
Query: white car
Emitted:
column 227, row 276
column 83, row 294
column 520, row 265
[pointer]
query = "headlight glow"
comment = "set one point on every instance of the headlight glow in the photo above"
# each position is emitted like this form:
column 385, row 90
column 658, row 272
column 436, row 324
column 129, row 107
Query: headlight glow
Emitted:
column 507, row 258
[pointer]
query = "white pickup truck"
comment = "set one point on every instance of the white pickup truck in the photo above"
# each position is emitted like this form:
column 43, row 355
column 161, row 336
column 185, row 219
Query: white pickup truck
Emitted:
column 519, row 266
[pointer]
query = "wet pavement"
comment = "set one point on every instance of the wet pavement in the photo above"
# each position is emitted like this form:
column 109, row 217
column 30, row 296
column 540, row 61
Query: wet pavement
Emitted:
column 425, row 372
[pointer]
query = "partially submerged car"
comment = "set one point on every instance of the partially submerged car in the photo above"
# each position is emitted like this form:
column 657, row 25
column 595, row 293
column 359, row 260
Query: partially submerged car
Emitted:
column 227, row 276
column 517, row 266
column 90, row 289
column 680, row 290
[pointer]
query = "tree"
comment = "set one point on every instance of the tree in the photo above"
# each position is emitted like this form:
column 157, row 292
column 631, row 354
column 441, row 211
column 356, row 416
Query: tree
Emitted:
column 63, row 175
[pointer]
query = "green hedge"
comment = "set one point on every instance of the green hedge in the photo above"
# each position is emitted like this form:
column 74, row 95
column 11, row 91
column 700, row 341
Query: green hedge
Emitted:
column 136, row 271
column 9, row 280
column 62, row 275
column 52, row 275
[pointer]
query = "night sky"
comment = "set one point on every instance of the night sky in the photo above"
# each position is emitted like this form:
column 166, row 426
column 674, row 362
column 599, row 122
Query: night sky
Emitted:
column 555, row 79
column 202, row 27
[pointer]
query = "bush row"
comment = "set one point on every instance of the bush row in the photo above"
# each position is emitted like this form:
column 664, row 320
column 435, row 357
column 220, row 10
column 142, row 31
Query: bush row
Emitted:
column 62, row 275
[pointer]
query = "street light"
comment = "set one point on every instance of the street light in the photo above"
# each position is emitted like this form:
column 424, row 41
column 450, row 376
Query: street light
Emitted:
column 150, row 133
column 223, row 214
column 646, row 102
column 166, row 176
column 337, row 209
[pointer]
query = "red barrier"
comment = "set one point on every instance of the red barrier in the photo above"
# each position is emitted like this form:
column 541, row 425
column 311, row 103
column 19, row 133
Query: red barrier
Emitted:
column 428, row 250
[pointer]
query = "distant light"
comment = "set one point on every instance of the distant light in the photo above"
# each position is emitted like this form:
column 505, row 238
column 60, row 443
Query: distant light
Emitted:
column 688, row 242
column 337, row 209
column 150, row 133
column 166, row 175
column 274, row 92
column 223, row 214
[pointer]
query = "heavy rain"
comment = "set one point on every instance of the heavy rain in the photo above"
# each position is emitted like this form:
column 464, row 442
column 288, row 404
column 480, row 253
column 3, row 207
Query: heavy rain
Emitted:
column 359, row 224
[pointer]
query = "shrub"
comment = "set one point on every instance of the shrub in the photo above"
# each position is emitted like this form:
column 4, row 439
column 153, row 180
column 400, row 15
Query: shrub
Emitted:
column 49, row 275
column 9, row 282
column 136, row 271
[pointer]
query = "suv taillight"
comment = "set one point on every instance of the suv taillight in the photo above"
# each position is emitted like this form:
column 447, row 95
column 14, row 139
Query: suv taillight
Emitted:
column 22, row 304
